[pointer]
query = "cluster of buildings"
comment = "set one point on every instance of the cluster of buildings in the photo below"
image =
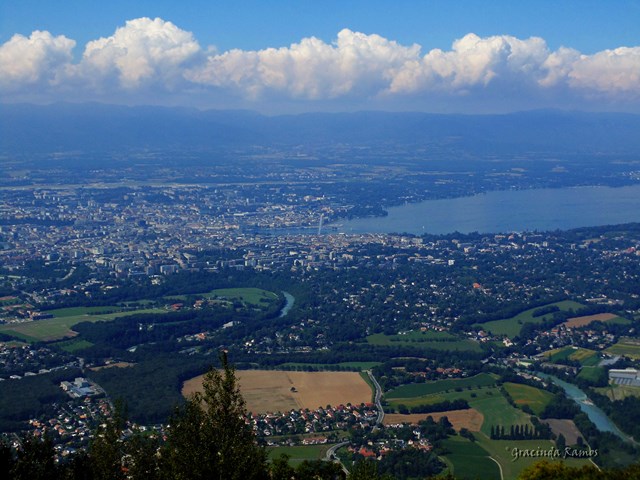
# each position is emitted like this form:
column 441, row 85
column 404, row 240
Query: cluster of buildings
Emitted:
column 321, row 420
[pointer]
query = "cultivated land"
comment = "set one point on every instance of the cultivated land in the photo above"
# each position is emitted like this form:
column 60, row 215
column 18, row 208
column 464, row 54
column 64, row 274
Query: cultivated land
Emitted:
column 465, row 394
column 468, row 460
column 591, row 373
column 271, row 391
column 586, row 320
column 247, row 295
column 471, row 419
column 628, row 347
column 566, row 428
column 430, row 388
column 511, row 326
column 585, row 356
column 332, row 366
column 502, row 452
column 57, row 328
column 299, row 454
column 429, row 340
column 619, row 392
column 535, row 398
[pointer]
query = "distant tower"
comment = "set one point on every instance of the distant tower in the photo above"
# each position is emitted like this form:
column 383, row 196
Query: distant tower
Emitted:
column 320, row 223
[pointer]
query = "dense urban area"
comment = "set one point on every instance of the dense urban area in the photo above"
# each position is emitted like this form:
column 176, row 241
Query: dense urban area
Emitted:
column 475, row 350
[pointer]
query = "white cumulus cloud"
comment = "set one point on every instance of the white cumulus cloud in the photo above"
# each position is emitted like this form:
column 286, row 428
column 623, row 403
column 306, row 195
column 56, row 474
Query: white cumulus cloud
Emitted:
column 473, row 61
column 610, row 71
column 144, row 50
column 355, row 64
column 155, row 60
column 37, row 59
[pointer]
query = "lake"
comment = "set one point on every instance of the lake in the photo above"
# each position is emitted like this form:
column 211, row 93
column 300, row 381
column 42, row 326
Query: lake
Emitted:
column 508, row 211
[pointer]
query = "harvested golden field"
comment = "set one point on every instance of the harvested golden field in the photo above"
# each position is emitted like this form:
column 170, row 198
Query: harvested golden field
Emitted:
column 280, row 391
column 470, row 418
column 577, row 322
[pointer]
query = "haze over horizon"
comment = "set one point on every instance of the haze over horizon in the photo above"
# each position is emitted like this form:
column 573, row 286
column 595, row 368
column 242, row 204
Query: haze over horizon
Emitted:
column 298, row 57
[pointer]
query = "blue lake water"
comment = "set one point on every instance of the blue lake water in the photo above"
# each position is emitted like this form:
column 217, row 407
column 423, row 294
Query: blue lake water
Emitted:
column 508, row 211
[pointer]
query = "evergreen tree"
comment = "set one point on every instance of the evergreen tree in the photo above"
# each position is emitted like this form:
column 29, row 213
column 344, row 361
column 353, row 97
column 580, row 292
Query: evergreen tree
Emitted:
column 209, row 437
column 35, row 460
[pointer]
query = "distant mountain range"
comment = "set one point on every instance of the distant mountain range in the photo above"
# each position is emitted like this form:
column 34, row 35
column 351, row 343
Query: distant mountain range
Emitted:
column 99, row 128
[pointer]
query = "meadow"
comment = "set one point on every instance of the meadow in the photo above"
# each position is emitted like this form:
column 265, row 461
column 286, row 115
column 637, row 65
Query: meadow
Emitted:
column 470, row 418
column 428, row 340
column 248, row 296
column 440, row 386
column 578, row 322
column 468, row 460
column 511, row 467
column 536, row 398
column 619, row 392
column 511, row 326
column 299, row 454
column 331, row 366
column 626, row 346
column 60, row 327
column 584, row 356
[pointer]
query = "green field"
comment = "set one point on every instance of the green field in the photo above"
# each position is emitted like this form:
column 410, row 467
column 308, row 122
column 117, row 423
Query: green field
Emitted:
column 536, row 398
column 75, row 311
column 422, row 389
column 511, row 326
column 468, row 460
column 497, row 411
column 333, row 366
column 250, row 296
column 299, row 454
column 73, row 345
column 592, row 374
column 627, row 347
column 502, row 452
column 468, row 395
column 428, row 340
column 585, row 356
column 619, row 392
column 52, row 329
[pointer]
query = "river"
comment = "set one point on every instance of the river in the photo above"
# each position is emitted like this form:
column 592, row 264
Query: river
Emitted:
column 597, row 416
column 289, row 301
column 507, row 211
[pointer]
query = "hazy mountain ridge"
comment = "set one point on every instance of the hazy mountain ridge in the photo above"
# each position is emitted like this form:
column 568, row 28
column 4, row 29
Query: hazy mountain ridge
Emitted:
column 101, row 128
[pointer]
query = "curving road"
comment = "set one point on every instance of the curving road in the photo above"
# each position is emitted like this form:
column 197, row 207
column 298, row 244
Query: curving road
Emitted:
column 332, row 451
column 377, row 398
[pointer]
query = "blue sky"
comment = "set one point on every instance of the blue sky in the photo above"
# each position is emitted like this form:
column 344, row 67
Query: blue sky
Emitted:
column 366, row 54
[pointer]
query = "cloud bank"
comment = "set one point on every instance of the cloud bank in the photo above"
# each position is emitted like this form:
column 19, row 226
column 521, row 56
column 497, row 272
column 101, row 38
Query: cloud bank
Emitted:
column 153, row 60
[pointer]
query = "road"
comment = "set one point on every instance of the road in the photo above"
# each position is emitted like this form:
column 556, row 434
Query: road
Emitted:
column 332, row 451
column 378, row 398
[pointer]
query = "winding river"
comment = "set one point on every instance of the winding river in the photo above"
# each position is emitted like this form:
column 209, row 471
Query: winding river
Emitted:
column 290, row 300
column 597, row 416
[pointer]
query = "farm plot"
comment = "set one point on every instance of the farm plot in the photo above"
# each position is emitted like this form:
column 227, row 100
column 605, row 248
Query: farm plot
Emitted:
column 578, row 322
column 626, row 346
column 280, row 391
column 468, row 460
column 299, row 454
column 439, row 386
column 428, row 340
column 535, row 398
column 471, row 419
column 58, row 328
column 566, row 428
column 511, row 326
column 584, row 356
